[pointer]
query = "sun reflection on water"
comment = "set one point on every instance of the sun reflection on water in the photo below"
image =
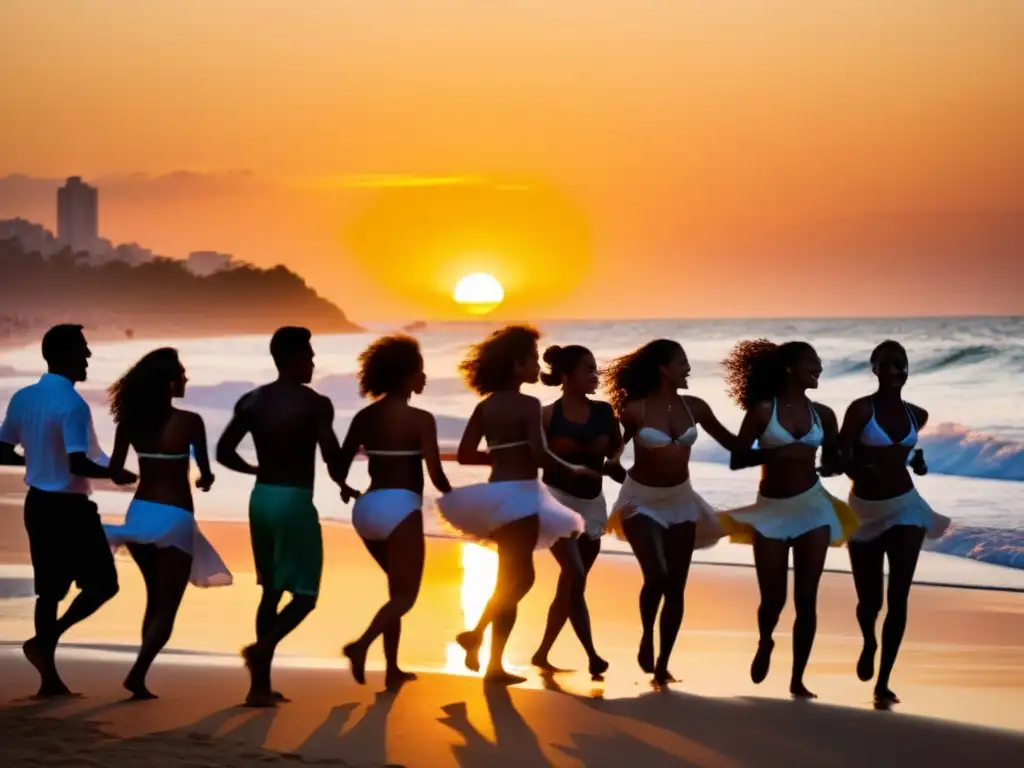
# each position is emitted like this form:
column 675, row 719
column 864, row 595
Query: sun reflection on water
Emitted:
column 479, row 574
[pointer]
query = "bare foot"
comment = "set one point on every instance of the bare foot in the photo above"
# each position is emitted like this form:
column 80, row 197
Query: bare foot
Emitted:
column 138, row 690
column 645, row 658
column 501, row 677
column 799, row 691
column 663, row 677
column 356, row 656
column 396, row 678
column 470, row 643
column 597, row 667
column 52, row 688
column 260, row 699
column 278, row 696
column 866, row 662
column 762, row 661
column 885, row 697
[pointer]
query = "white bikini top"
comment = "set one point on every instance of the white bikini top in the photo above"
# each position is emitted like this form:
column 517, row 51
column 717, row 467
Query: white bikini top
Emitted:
column 649, row 437
column 391, row 453
column 874, row 436
column 776, row 435
column 164, row 456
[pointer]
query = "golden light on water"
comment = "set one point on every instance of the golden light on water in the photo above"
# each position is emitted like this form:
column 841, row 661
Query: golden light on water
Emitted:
column 479, row 574
column 479, row 293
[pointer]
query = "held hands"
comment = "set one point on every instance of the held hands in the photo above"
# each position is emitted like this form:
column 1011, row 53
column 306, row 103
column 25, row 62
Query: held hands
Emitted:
column 614, row 469
column 205, row 482
column 348, row 493
column 123, row 477
column 917, row 463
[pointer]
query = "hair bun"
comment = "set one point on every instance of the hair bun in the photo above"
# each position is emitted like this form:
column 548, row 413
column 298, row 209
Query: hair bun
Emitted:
column 552, row 353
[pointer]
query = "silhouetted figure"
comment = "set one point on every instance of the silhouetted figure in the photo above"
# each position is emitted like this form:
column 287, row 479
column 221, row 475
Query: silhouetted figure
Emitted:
column 657, row 511
column 397, row 439
column 287, row 421
column 513, row 509
column 793, row 510
column 160, row 529
column 583, row 432
column 53, row 424
column 894, row 518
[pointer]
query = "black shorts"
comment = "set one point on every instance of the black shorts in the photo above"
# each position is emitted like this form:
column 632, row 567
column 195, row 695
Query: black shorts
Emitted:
column 67, row 544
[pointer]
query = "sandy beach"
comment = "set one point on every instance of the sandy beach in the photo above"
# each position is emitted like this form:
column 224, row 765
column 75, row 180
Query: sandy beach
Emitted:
column 960, row 675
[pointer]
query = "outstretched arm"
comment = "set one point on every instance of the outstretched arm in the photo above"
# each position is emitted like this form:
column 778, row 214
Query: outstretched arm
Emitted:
column 833, row 459
column 346, row 454
column 76, row 430
column 545, row 458
column 743, row 453
column 116, row 468
column 236, row 430
column 432, row 454
column 854, row 421
column 705, row 417
column 198, row 441
column 469, row 447
column 328, row 441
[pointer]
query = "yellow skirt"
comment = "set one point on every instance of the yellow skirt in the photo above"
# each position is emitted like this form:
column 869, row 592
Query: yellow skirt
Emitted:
column 792, row 517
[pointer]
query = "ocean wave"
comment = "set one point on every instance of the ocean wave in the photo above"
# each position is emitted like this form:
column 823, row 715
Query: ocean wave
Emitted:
column 996, row 546
column 952, row 449
column 950, row 358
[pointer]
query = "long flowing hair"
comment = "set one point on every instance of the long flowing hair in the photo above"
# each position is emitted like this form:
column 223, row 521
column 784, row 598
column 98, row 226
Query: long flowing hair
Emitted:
column 637, row 375
column 140, row 401
column 755, row 369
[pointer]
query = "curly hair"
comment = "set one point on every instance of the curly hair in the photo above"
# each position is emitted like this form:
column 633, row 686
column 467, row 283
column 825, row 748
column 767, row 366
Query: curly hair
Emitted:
column 637, row 375
column 755, row 370
column 387, row 365
column 490, row 364
column 887, row 345
column 140, row 401
column 561, row 362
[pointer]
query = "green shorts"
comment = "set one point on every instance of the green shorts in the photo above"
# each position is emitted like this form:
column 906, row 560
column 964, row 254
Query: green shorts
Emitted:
column 286, row 541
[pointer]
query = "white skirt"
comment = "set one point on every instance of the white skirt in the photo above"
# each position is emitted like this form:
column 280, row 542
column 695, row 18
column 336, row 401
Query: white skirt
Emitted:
column 795, row 516
column 668, row 506
column 477, row 511
column 593, row 511
column 148, row 522
column 876, row 517
column 376, row 514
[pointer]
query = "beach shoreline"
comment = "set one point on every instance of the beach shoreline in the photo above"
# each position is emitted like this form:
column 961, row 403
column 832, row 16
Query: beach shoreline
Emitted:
column 960, row 674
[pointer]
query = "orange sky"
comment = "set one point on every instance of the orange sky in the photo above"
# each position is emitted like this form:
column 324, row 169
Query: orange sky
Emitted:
column 604, row 158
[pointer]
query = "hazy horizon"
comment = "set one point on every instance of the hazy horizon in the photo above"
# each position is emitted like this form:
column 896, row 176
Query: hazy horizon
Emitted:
column 601, row 159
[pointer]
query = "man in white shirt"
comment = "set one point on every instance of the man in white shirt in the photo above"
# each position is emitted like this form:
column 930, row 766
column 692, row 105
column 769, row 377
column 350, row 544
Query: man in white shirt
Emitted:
column 53, row 424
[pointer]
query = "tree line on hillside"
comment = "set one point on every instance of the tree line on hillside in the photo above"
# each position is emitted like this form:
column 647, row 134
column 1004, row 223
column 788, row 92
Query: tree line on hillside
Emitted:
column 160, row 292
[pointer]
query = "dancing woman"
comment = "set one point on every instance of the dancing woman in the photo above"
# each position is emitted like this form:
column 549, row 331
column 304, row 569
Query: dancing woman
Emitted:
column 159, row 529
column 657, row 511
column 583, row 432
column 512, row 510
column 793, row 510
column 894, row 518
column 397, row 440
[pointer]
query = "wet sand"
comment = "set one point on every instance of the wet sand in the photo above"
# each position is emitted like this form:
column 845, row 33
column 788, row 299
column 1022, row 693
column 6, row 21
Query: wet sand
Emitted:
column 960, row 674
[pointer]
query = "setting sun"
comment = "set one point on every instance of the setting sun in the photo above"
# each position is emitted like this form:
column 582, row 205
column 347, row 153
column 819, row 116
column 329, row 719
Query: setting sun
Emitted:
column 479, row 293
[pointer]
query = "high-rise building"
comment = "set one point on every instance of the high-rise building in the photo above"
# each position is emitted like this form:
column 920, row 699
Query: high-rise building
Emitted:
column 78, row 214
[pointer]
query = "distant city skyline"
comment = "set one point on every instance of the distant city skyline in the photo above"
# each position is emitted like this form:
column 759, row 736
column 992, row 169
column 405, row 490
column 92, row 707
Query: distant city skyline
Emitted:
column 78, row 214
column 599, row 158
